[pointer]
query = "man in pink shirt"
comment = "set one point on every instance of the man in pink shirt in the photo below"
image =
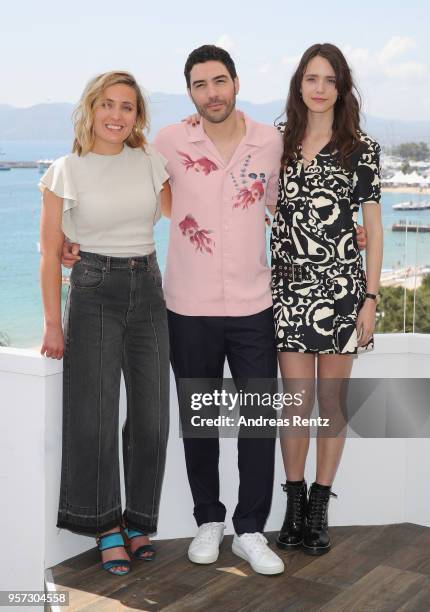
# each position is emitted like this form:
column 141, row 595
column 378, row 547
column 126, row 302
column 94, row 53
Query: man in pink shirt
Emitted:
column 223, row 174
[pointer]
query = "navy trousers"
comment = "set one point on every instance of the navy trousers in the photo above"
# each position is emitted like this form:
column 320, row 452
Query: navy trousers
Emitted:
column 199, row 347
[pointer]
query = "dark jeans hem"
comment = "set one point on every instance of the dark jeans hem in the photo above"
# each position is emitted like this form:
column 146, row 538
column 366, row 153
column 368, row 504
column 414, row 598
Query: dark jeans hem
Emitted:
column 133, row 523
column 88, row 529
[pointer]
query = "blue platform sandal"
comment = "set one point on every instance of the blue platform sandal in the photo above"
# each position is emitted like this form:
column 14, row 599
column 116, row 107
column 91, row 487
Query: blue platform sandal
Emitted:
column 113, row 540
column 139, row 553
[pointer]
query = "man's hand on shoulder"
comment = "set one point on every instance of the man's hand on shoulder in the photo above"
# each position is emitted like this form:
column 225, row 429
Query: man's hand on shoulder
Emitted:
column 193, row 119
column 361, row 237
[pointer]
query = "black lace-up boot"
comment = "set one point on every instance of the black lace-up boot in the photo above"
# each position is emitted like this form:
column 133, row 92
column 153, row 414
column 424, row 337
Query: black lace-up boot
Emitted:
column 316, row 540
column 291, row 534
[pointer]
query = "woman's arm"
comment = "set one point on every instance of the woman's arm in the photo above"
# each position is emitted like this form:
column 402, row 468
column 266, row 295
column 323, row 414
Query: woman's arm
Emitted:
column 374, row 251
column 166, row 200
column 51, row 243
column 374, row 248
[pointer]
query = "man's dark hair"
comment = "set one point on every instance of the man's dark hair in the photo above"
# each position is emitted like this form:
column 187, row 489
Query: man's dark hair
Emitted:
column 208, row 53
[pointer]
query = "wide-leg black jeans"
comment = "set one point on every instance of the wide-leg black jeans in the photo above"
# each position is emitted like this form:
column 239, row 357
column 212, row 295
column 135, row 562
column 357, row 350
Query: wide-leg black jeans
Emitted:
column 115, row 320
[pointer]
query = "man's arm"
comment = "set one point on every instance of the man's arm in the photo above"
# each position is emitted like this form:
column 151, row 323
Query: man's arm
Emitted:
column 166, row 200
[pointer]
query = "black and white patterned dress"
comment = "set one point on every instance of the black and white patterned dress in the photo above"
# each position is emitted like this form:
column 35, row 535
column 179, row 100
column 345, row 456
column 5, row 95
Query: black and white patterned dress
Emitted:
column 318, row 279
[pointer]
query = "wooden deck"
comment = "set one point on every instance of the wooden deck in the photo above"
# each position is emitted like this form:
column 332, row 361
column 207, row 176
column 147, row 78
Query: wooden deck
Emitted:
column 377, row 568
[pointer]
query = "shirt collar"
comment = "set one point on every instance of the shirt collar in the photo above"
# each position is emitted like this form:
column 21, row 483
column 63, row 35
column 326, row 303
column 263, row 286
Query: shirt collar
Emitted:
column 252, row 137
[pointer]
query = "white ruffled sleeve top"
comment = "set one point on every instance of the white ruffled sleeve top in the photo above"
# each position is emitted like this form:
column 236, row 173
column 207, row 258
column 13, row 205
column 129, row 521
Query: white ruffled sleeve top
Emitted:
column 110, row 202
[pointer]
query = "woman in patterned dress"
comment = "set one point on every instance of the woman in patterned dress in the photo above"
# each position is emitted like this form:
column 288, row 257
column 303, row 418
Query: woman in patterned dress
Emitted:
column 324, row 302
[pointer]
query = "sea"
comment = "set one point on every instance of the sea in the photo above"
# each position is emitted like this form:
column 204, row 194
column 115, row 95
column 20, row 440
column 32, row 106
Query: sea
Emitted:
column 21, row 318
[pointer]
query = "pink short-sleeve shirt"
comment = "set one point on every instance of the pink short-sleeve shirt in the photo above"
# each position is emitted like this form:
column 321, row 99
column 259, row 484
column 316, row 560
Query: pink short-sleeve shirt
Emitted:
column 216, row 260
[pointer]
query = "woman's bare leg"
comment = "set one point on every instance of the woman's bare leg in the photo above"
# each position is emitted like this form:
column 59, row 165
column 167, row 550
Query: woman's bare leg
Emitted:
column 298, row 374
column 333, row 376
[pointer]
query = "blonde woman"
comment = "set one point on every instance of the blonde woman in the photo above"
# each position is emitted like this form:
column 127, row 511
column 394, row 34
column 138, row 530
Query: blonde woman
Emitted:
column 106, row 196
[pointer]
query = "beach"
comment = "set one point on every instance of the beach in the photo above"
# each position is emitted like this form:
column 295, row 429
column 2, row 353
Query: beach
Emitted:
column 408, row 278
column 407, row 189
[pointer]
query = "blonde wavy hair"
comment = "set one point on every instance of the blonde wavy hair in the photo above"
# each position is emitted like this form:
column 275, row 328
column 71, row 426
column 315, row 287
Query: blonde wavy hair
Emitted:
column 83, row 115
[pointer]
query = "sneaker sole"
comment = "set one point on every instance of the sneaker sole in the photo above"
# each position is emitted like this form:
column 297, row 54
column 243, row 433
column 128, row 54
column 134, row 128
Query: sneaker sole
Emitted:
column 202, row 560
column 260, row 569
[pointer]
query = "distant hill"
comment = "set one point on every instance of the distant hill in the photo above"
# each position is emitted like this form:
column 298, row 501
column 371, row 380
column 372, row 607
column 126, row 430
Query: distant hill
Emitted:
column 53, row 121
column 39, row 122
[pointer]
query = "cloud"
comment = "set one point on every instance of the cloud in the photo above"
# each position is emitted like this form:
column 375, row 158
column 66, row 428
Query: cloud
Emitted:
column 389, row 59
column 291, row 61
column 387, row 62
column 396, row 46
column 360, row 59
column 406, row 70
column 226, row 42
column 265, row 68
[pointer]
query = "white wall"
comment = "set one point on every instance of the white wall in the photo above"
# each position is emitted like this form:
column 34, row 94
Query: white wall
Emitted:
column 382, row 471
column 23, row 381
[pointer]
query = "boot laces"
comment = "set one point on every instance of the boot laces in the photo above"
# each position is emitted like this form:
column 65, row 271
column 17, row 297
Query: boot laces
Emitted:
column 317, row 509
column 294, row 505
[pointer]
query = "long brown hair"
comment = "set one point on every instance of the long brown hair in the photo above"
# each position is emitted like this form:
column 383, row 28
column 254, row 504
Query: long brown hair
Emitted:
column 346, row 121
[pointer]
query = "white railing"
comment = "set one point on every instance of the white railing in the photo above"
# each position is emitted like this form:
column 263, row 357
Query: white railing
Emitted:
column 374, row 482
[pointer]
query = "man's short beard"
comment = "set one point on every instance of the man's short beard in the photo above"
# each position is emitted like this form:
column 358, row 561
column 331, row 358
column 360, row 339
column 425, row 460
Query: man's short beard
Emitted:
column 220, row 118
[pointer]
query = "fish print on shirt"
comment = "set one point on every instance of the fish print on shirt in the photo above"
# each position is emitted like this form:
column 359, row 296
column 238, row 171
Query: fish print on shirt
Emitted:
column 249, row 192
column 202, row 164
column 198, row 237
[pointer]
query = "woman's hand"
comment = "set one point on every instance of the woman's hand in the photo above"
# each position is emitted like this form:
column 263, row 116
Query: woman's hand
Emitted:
column 366, row 322
column 192, row 119
column 53, row 342
column 70, row 254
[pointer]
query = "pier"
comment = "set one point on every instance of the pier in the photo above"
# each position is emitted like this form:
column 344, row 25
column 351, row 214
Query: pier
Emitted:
column 19, row 164
column 403, row 226
column 410, row 277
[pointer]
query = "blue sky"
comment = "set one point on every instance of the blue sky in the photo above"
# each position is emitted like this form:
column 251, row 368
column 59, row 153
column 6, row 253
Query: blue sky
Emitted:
column 53, row 48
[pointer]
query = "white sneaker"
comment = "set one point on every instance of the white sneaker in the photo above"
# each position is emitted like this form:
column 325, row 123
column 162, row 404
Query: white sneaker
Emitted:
column 253, row 548
column 205, row 546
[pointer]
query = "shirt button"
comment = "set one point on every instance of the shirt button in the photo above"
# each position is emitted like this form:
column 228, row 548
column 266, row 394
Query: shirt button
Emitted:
column 226, row 227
